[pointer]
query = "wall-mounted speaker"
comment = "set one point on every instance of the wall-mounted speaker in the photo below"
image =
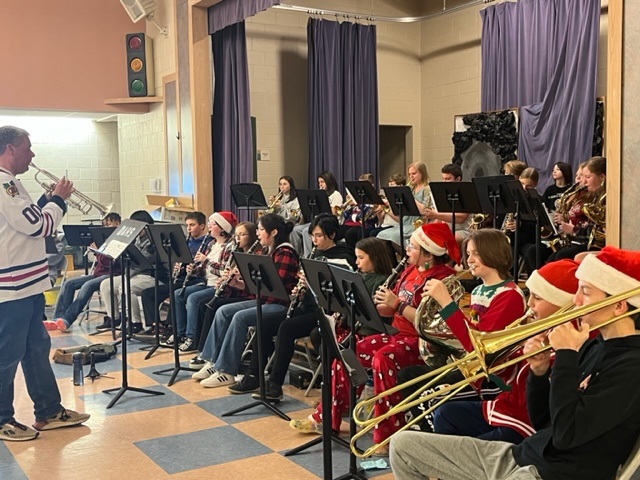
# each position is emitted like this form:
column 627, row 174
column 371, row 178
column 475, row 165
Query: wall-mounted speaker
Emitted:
column 140, row 75
column 138, row 9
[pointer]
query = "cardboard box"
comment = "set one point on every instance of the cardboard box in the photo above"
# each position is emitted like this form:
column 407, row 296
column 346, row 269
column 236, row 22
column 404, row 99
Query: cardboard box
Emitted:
column 169, row 208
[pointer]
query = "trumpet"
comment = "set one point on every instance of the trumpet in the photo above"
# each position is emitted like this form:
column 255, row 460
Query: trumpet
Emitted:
column 271, row 208
column 77, row 200
column 492, row 353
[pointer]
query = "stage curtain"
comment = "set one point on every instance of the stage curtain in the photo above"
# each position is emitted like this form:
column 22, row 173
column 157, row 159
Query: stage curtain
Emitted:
column 229, row 12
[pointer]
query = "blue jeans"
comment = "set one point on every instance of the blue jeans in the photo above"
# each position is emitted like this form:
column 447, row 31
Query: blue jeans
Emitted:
column 66, row 307
column 228, row 333
column 23, row 339
column 187, row 308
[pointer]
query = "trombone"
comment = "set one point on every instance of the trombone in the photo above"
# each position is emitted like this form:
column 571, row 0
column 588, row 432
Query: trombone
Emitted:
column 492, row 353
column 81, row 202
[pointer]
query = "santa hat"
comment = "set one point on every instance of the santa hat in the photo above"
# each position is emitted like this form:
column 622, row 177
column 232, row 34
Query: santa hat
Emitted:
column 555, row 282
column 613, row 271
column 437, row 239
column 226, row 220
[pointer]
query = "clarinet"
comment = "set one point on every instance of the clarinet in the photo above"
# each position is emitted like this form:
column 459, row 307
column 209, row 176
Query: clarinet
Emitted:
column 203, row 248
column 224, row 283
column 296, row 299
column 178, row 271
column 391, row 279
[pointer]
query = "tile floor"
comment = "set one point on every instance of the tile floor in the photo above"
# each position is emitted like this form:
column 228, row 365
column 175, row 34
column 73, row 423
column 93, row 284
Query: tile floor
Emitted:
column 180, row 434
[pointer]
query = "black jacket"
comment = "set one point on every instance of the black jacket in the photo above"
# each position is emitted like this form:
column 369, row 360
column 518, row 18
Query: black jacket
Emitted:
column 584, row 432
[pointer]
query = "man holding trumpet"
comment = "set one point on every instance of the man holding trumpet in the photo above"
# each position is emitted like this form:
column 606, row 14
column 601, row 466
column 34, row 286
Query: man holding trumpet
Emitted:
column 586, row 408
column 23, row 279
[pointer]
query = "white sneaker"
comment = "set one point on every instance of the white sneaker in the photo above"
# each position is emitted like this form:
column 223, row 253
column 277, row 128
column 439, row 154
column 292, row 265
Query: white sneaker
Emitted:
column 218, row 379
column 205, row 372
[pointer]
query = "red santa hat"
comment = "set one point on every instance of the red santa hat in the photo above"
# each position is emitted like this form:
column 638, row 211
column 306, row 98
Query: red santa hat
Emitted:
column 555, row 282
column 437, row 239
column 613, row 271
column 226, row 220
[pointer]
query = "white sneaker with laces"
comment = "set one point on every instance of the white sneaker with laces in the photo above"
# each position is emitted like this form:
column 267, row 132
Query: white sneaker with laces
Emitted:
column 218, row 379
column 205, row 372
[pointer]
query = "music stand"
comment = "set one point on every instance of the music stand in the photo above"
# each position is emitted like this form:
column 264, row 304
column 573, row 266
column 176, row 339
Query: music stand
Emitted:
column 543, row 219
column 361, row 309
column 401, row 202
column 79, row 236
column 366, row 193
column 261, row 279
column 100, row 234
column 116, row 247
column 494, row 196
column 248, row 196
column 455, row 197
column 522, row 212
column 320, row 283
column 313, row 202
column 171, row 247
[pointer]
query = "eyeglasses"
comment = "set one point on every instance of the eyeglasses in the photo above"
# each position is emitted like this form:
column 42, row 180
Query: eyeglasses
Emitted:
column 410, row 246
column 317, row 235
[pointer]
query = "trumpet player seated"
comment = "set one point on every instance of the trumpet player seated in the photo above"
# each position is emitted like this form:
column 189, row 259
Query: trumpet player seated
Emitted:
column 67, row 308
column 506, row 418
column 495, row 303
column 285, row 203
column 246, row 241
column 196, row 228
column 419, row 183
column 209, row 265
column 580, row 216
column 223, row 347
column 429, row 251
column 298, row 238
column 140, row 279
column 299, row 319
column 585, row 408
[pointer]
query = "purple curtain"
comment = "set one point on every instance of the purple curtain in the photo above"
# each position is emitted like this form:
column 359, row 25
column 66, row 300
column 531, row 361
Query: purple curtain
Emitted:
column 541, row 56
column 343, row 100
column 231, row 129
column 228, row 12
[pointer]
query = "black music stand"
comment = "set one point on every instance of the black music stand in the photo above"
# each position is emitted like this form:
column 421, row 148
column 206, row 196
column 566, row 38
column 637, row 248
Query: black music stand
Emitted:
column 248, row 196
column 402, row 203
column 100, row 235
column 313, row 202
column 79, row 236
column 455, row 197
column 361, row 310
column 116, row 247
column 171, row 247
column 522, row 212
column 494, row 196
column 261, row 279
column 320, row 283
column 543, row 219
column 365, row 193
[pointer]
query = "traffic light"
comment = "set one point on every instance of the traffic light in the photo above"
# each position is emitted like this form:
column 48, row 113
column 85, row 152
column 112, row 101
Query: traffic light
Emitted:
column 140, row 75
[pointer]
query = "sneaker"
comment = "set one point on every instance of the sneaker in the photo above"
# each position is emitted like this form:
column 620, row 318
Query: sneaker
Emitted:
column 106, row 324
column 218, row 379
column 187, row 346
column 50, row 325
column 16, row 432
column 168, row 342
column 306, row 425
column 248, row 384
column 62, row 325
column 64, row 418
column 272, row 392
column 205, row 372
column 197, row 362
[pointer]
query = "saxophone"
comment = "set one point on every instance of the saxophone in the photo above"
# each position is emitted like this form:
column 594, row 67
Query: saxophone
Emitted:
column 596, row 213
column 224, row 283
column 301, row 286
column 437, row 342
column 563, row 207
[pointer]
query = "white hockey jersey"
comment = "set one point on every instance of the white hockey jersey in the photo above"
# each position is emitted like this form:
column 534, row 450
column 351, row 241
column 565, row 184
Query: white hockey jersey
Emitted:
column 23, row 226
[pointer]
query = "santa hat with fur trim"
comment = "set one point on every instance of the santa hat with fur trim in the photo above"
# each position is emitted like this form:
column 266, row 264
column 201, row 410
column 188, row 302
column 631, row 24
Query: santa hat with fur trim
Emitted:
column 226, row 220
column 613, row 271
column 555, row 282
column 437, row 239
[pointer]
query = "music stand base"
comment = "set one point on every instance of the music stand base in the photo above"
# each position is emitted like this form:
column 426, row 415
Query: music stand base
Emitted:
column 316, row 441
column 122, row 390
column 255, row 404
column 175, row 371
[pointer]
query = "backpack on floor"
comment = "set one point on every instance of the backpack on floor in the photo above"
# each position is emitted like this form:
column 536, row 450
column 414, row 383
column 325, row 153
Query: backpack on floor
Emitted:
column 101, row 353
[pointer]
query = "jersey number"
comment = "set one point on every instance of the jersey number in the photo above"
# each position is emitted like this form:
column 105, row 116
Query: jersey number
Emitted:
column 33, row 214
